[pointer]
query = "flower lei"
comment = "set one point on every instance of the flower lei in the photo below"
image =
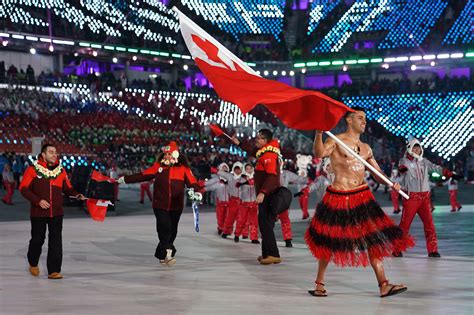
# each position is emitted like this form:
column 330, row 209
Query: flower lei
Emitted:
column 268, row 149
column 46, row 173
column 169, row 162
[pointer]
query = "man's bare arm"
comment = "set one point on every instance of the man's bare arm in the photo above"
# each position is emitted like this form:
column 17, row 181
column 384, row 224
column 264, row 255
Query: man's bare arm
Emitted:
column 371, row 160
column 321, row 149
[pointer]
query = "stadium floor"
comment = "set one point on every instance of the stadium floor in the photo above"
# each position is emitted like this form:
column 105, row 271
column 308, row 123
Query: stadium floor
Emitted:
column 109, row 268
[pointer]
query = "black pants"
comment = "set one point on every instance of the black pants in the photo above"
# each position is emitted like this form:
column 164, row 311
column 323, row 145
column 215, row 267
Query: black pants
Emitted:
column 266, row 223
column 55, row 242
column 167, row 229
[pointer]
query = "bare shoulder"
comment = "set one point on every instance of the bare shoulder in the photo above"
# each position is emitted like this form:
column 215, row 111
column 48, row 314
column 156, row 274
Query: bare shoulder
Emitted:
column 367, row 149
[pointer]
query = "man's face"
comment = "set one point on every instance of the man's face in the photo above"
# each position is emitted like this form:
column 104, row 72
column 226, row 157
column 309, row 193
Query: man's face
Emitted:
column 357, row 121
column 237, row 171
column 260, row 141
column 416, row 149
column 50, row 156
column 225, row 168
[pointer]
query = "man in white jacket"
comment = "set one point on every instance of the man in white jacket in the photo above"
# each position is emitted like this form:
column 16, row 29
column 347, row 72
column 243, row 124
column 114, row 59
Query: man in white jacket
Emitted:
column 220, row 186
column 248, row 210
column 414, row 179
column 234, row 200
column 287, row 177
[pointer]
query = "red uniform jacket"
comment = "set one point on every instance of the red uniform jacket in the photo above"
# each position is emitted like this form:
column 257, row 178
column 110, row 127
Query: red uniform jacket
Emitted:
column 267, row 170
column 168, row 190
column 35, row 188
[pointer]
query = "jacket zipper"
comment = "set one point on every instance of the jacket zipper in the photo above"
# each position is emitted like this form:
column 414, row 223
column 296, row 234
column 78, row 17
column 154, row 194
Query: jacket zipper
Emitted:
column 169, row 188
column 50, row 199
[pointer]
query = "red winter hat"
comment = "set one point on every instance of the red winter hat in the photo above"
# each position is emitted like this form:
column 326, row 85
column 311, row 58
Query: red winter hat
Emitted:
column 172, row 147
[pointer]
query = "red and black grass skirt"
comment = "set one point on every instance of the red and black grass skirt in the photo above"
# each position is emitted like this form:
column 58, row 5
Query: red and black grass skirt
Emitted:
column 349, row 226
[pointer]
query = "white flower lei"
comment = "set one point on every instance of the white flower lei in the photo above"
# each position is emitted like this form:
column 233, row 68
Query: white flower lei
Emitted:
column 46, row 173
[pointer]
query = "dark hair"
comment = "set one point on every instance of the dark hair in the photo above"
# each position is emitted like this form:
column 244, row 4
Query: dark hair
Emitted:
column 248, row 164
column 349, row 114
column 45, row 147
column 267, row 134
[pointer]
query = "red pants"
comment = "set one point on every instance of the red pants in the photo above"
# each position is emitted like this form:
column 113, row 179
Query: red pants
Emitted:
column 231, row 217
column 285, row 222
column 304, row 204
column 453, row 198
column 10, row 187
column 145, row 188
column 222, row 207
column 247, row 218
column 394, row 196
column 420, row 203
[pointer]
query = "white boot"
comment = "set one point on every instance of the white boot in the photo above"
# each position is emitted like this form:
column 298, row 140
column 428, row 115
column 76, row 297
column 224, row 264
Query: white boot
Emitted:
column 169, row 261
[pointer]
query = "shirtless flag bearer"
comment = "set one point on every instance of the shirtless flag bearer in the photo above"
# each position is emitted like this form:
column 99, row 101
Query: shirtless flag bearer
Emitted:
column 349, row 227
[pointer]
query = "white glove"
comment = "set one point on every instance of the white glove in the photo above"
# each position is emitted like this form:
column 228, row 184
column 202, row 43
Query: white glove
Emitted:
column 197, row 196
column 121, row 180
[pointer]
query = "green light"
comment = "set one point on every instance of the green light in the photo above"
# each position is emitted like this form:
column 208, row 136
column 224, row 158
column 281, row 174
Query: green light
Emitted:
column 470, row 54
column 132, row 50
column 337, row 62
column 299, row 65
column 351, row 62
column 144, row 51
column 176, row 55
column 84, row 44
column 312, row 64
column 251, row 64
column 121, row 48
column 164, row 54
column 154, row 53
column 324, row 63
column 96, row 46
column 375, row 60
column 109, row 47
column 363, row 61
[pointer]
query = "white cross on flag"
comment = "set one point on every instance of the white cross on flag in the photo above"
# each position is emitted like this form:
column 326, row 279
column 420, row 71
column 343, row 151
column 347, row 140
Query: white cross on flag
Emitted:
column 236, row 82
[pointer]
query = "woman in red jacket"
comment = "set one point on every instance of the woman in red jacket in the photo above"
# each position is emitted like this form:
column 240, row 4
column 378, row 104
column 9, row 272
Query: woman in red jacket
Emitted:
column 171, row 173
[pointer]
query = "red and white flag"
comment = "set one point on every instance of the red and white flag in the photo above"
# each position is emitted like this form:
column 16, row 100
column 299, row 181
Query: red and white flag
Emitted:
column 98, row 208
column 236, row 82
column 98, row 177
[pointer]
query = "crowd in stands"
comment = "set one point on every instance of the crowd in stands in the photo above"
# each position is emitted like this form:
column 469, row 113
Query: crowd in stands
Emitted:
column 111, row 137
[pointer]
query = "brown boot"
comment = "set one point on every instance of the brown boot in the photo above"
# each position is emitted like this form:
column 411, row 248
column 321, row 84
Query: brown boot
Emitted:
column 55, row 276
column 34, row 271
column 270, row 260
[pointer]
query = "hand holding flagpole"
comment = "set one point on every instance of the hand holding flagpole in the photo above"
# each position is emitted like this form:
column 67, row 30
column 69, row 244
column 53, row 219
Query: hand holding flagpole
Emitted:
column 360, row 159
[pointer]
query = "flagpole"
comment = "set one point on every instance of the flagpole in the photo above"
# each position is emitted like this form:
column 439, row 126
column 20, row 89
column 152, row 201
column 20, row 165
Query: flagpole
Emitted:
column 360, row 159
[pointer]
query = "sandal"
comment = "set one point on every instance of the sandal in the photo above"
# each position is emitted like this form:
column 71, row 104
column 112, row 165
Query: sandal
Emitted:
column 318, row 293
column 393, row 290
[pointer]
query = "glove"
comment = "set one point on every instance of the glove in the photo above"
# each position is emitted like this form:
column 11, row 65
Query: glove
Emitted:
column 121, row 180
column 402, row 168
column 238, row 185
column 301, row 192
